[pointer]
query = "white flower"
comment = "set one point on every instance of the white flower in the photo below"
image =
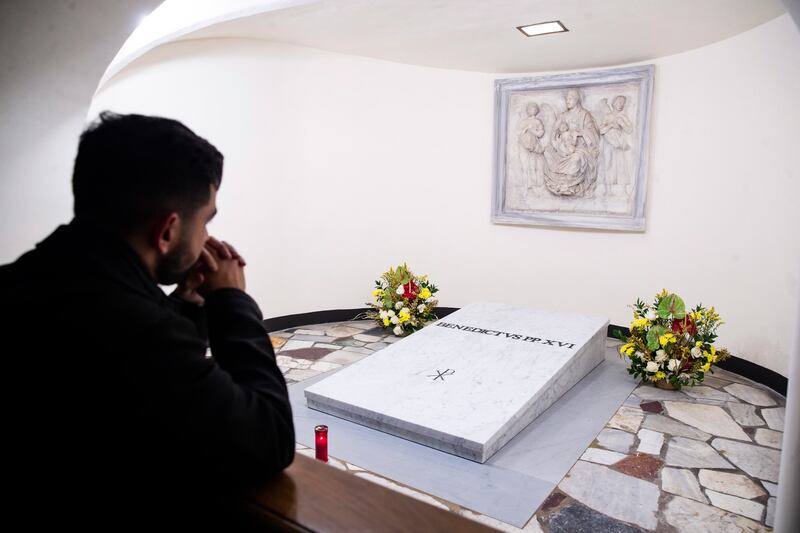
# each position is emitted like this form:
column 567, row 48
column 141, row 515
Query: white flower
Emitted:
column 398, row 330
column 661, row 356
column 639, row 354
column 398, row 305
column 687, row 336
column 383, row 314
column 684, row 377
column 652, row 366
column 697, row 352
column 391, row 312
column 405, row 310
column 400, row 290
column 395, row 320
column 674, row 364
column 421, row 308
column 651, row 315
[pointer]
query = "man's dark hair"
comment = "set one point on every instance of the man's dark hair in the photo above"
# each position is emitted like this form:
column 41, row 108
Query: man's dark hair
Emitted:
column 130, row 168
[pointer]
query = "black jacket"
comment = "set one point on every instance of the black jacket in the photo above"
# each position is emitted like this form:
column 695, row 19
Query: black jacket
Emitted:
column 114, row 413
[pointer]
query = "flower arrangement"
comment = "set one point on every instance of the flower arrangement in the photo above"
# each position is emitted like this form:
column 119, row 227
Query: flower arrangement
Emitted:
column 669, row 346
column 403, row 302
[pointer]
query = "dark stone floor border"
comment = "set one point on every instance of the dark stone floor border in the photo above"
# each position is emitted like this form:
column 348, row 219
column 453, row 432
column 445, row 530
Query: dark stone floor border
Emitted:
column 737, row 365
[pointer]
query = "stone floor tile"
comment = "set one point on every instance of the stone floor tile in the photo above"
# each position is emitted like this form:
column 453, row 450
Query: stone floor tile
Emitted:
column 551, row 502
column 756, row 461
column 709, row 418
column 324, row 366
column 688, row 516
column 651, row 407
column 309, row 331
column 615, row 439
column 277, row 342
column 361, row 324
column 774, row 417
column 716, row 382
column 737, row 505
column 577, row 518
column 310, row 354
column 673, row 427
column 651, row 393
column 300, row 374
column 750, row 394
column 329, row 346
column 603, row 457
column 295, row 345
column 626, row 419
column 368, row 338
column 770, row 518
column 342, row 357
column 730, row 483
column 707, row 393
column 342, row 331
column 643, row 466
column 744, row 414
column 356, row 349
column 772, row 488
column 314, row 338
column 376, row 346
column 769, row 437
column 690, row 453
column 619, row 496
column 681, row 482
column 650, row 441
column 391, row 339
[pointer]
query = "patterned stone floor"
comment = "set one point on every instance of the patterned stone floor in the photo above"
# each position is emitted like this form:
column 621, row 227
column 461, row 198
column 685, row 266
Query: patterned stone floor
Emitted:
column 704, row 459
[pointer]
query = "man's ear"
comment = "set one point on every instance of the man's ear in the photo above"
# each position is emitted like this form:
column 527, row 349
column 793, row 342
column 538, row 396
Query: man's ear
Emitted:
column 166, row 232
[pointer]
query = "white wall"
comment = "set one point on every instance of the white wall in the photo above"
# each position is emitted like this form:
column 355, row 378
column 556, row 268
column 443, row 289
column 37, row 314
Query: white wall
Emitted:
column 54, row 52
column 338, row 167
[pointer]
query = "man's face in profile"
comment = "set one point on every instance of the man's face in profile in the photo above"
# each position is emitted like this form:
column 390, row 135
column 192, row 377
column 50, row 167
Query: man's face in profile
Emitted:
column 175, row 265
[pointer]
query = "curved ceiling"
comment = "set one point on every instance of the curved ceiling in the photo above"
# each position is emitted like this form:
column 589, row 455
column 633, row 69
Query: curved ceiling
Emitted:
column 475, row 35
column 481, row 35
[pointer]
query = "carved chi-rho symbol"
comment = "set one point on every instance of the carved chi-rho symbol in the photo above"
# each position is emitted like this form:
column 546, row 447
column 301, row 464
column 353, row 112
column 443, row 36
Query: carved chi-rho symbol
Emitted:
column 441, row 375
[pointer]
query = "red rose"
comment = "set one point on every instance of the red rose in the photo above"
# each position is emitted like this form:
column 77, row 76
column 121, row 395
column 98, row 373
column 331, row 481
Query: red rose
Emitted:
column 681, row 325
column 410, row 290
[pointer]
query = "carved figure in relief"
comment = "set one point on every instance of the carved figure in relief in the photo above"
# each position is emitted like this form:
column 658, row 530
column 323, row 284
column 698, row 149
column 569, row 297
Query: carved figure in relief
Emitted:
column 616, row 128
column 531, row 131
column 571, row 159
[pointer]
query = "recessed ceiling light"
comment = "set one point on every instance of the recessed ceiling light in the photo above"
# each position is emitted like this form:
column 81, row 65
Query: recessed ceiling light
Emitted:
column 542, row 28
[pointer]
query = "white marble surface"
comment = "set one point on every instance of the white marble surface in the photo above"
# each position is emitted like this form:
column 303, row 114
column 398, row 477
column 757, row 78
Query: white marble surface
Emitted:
column 467, row 392
column 750, row 394
column 603, row 457
column 690, row 453
column 730, row 483
column 622, row 497
column 757, row 461
column 709, row 418
column 737, row 505
column 681, row 482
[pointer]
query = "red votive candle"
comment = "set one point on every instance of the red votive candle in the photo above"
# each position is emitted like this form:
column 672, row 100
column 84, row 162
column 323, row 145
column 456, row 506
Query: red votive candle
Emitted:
column 321, row 441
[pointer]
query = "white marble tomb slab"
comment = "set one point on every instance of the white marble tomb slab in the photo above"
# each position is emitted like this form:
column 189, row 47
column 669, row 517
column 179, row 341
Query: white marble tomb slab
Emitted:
column 468, row 383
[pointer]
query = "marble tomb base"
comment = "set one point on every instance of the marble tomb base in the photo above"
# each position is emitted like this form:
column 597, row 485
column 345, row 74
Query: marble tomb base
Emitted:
column 468, row 383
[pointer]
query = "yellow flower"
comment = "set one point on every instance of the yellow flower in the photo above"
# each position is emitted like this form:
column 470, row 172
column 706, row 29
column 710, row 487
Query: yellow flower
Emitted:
column 640, row 323
column 425, row 293
column 386, row 322
column 404, row 316
column 660, row 375
column 624, row 348
column 666, row 339
column 705, row 367
column 699, row 344
column 696, row 316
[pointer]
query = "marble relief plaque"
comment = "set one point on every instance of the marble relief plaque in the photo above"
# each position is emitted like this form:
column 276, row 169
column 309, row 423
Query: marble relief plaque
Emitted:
column 468, row 383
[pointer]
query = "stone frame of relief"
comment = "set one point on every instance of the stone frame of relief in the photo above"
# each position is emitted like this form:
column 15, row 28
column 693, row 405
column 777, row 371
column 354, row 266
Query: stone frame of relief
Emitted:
column 571, row 150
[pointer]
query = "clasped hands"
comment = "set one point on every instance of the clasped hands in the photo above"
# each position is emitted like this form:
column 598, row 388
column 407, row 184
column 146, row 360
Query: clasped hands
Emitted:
column 219, row 266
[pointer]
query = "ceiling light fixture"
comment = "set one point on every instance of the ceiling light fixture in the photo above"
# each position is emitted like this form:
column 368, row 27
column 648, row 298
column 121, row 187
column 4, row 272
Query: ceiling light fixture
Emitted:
column 542, row 28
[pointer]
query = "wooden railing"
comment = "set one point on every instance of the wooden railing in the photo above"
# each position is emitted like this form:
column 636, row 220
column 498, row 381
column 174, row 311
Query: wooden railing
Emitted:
column 311, row 496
